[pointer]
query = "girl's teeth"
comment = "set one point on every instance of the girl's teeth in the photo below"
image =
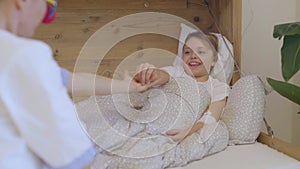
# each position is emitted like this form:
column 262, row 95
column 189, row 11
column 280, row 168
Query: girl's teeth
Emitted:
column 194, row 64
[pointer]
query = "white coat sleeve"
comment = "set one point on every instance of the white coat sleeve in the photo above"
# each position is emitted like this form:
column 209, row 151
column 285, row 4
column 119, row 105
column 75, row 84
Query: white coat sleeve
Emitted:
column 42, row 111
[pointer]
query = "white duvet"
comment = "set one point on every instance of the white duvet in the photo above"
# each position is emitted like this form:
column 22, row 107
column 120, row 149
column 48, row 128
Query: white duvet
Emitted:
column 129, row 129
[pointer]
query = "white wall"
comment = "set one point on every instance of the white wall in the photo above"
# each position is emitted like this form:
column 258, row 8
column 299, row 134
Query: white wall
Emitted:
column 298, row 10
column 296, row 80
column 261, row 56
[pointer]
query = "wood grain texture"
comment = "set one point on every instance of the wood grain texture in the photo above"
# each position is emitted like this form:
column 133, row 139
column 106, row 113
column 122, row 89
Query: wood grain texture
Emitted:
column 78, row 20
column 229, row 18
column 75, row 25
column 123, row 4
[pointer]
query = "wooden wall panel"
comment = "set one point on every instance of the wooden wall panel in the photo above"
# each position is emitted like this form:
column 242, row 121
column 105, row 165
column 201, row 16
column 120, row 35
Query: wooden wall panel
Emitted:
column 123, row 4
column 77, row 21
column 229, row 18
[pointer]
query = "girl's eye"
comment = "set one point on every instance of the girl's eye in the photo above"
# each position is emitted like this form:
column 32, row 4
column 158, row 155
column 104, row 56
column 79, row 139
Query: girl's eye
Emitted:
column 187, row 52
column 201, row 52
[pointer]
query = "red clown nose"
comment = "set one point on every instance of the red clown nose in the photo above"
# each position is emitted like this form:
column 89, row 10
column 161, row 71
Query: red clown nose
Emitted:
column 51, row 11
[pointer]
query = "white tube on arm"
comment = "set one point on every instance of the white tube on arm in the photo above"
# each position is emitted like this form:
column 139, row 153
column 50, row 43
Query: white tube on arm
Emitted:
column 207, row 118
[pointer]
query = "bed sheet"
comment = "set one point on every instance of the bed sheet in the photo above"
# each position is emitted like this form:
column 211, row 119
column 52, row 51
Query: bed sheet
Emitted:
column 251, row 156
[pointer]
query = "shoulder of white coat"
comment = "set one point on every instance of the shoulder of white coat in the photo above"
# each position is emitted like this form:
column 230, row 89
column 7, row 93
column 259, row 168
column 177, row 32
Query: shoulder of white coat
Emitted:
column 32, row 57
column 16, row 49
column 30, row 47
column 33, row 53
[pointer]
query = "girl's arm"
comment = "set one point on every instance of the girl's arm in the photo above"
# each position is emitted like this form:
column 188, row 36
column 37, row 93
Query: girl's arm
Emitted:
column 216, row 109
column 178, row 135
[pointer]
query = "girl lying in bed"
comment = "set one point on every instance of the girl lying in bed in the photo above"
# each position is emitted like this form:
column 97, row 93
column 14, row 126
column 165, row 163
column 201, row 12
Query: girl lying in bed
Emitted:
column 199, row 56
column 164, row 126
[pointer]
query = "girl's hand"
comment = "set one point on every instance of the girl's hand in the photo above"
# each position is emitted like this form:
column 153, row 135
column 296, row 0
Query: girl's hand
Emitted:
column 134, row 85
column 148, row 74
column 121, row 86
column 177, row 135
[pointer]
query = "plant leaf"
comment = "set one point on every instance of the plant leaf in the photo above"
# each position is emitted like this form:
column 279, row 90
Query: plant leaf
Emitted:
column 285, row 89
column 290, row 56
column 286, row 29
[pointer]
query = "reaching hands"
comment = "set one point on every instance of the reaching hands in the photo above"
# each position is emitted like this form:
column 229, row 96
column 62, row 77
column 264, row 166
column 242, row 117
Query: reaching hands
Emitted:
column 134, row 85
column 147, row 74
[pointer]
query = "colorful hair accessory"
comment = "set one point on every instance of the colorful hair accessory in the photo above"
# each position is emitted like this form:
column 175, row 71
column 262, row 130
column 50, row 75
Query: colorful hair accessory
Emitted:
column 51, row 11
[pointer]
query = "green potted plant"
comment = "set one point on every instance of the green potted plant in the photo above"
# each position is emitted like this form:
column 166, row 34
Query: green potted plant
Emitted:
column 290, row 60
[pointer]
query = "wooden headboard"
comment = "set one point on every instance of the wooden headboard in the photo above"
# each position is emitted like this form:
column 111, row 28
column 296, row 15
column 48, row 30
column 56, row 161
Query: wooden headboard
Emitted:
column 78, row 20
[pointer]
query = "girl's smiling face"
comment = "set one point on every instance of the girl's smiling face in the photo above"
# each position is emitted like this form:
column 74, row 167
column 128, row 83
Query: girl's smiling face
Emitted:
column 198, row 57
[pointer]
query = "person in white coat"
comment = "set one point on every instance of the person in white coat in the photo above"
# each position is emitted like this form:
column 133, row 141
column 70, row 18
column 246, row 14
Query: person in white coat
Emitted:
column 38, row 122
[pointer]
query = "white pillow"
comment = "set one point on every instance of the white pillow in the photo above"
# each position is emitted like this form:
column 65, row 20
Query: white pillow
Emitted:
column 223, row 69
column 244, row 111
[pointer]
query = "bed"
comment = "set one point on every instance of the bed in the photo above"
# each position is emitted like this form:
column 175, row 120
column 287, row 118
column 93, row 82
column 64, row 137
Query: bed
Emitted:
column 78, row 20
column 250, row 156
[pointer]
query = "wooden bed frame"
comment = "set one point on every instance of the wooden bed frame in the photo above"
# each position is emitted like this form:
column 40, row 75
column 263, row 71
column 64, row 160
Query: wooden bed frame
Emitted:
column 279, row 145
column 77, row 20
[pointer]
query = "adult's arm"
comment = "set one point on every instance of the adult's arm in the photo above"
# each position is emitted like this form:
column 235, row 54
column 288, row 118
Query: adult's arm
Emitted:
column 86, row 84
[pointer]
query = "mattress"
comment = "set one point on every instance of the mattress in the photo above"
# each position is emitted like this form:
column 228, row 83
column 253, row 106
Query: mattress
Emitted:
column 251, row 156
